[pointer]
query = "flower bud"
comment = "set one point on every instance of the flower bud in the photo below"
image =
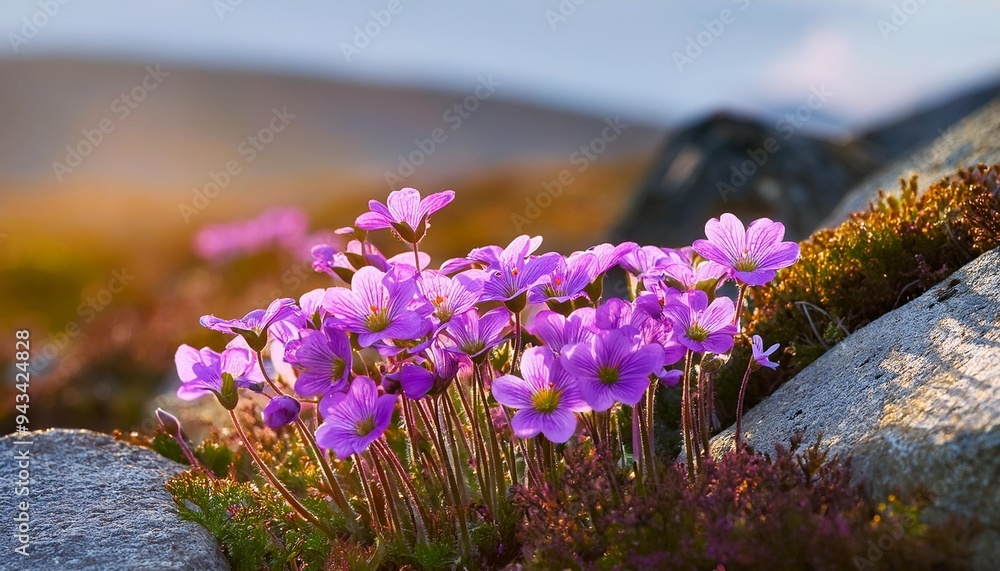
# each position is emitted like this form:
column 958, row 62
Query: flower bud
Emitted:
column 281, row 411
column 169, row 422
column 228, row 397
column 714, row 362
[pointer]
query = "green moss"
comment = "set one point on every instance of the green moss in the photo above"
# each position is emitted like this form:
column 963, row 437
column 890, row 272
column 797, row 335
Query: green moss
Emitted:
column 848, row 276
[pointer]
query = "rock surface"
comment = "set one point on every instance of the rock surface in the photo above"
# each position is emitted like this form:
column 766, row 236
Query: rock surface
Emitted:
column 914, row 397
column 786, row 175
column 98, row 504
column 969, row 142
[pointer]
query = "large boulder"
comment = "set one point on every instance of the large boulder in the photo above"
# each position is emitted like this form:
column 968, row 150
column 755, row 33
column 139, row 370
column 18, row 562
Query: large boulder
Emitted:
column 729, row 163
column 95, row 503
column 914, row 398
column 971, row 141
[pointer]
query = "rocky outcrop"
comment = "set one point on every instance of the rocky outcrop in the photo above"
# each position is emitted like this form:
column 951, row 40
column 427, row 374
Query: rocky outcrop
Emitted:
column 727, row 163
column 893, row 139
column 967, row 143
column 914, row 398
column 94, row 503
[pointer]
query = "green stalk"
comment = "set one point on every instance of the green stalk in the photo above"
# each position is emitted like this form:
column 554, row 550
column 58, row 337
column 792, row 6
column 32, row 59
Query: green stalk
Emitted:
column 457, row 500
column 686, row 427
column 390, row 496
column 482, row 469
column 393, row 460
column 276, row 483
column 310, row 442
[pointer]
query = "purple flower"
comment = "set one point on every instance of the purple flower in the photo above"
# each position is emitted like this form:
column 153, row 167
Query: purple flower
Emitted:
column 702, row 327
column 760, row 356
column 449, row 296
column 254, row 325
column 644, row 261
column 567, row 280
column 513, row 273
column 280, row 411
column 201, row 371
column 608, row 255
column 324, row 358
column 557, row 331
column 545, row 396
column 404, row 212
column 343, row 264
column 355, row 419
column 376, row 307
column 754, row 254
column 706, row 276
column 473, row 335
column 612, row 367
column 415, row 381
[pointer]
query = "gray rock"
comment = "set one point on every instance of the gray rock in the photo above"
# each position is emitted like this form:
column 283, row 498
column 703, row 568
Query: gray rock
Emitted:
column 787, row 175
column 914, row 397
column 97, row 504
column 967, row 143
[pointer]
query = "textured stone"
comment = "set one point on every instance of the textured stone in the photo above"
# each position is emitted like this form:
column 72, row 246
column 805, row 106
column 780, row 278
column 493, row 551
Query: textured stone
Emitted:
column 787, row 175
column 914, row 398
column 98, row 504
column 967, row 143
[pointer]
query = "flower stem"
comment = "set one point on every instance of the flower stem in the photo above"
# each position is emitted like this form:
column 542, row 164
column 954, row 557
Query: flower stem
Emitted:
column 686, row 414
column 739, row 407
column 310, row 442
column 276, row 483
column 740, row 298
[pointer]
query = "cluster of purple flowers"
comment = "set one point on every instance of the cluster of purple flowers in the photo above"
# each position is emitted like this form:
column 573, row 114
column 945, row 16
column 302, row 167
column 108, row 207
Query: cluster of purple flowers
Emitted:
column 505, row 341
column 573, row 351
column 285, row 228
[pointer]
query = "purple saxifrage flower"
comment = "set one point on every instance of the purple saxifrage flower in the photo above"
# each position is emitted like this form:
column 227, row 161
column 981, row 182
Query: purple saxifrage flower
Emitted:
column 760, row 356
column 449, row 296
column 254, row 325
column 474, row 334
column 405, row 212
column 324, row 359
column 513, row 272
column 702, row 327
column 280, row 411
column 201, row 371
column 612, row 367
column 545, row 396
column 376, row 307
column 355, row 419
column 557, row 331
column 568, row 279
column 753, row 254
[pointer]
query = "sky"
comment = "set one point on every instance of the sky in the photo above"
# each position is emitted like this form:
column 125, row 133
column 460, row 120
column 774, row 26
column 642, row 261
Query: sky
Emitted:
column 654, row 61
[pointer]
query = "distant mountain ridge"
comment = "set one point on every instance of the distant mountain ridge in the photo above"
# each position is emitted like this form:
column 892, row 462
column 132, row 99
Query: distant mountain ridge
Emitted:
column 194, row 121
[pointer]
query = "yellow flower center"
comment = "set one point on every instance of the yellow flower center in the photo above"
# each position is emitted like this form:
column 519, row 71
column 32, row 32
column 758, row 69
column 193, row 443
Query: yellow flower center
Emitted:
column 608, row 375
column 546, row 400
column 365, row 427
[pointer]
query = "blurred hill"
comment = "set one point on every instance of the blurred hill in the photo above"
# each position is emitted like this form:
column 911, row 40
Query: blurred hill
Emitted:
column 341, row 144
